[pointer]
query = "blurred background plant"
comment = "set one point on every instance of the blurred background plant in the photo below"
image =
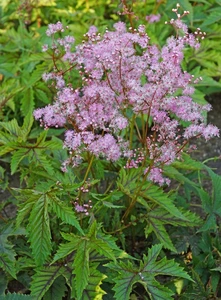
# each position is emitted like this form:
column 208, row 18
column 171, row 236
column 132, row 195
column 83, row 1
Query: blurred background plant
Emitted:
column 22, row 34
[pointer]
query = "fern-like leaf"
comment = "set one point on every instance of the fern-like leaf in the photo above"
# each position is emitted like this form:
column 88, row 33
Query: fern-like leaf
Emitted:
column 39, row 230
column 43, row 279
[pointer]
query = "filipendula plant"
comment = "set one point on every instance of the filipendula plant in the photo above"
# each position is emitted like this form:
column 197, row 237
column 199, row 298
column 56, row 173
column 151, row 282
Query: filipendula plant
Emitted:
column 98, row 231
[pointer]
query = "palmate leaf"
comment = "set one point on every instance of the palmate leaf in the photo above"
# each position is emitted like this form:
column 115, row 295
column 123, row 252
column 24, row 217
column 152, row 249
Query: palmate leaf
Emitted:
column 128, row 275
column 64, row 212
column 43, row 279
column 39, row 230
column 81, row 267
column 151, row 267
column 93, row 289
column 158, row 217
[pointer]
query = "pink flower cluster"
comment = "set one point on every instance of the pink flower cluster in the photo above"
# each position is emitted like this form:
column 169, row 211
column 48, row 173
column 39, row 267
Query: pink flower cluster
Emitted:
column 124, row 77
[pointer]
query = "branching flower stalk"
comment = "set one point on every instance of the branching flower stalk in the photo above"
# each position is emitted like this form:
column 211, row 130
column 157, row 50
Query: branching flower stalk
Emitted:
column 126, row 79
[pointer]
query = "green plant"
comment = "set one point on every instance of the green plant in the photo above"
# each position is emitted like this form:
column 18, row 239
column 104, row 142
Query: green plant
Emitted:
column 99, row 230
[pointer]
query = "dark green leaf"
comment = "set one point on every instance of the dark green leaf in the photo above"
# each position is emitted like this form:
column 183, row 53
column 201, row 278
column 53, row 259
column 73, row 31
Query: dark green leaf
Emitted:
column 39, row 230
column 43, row 279
column 81, row 267
column 64, row 212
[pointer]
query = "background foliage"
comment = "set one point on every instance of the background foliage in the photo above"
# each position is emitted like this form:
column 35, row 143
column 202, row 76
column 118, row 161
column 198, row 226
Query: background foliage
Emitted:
column 47, row 250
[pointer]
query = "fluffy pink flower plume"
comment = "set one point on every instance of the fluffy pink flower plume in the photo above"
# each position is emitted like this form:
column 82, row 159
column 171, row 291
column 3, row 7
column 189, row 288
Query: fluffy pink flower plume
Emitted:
column 153, row 18
column 124, row 77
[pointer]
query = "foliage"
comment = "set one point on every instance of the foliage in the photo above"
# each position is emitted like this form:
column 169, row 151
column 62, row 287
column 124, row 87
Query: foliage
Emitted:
column 100, row 230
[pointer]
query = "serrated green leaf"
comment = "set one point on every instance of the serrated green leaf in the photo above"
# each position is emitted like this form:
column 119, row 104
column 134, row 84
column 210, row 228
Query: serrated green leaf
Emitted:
column 213, row 17
column 160, row 231
column 64, row 212
column 25, row 209
column 127, row 277
column 93, row 289
column 156, row 290
column 27, row 102
column 43, row 161
column 41, row 138
column 15, row 296
column 111, row 205
column 188, row 163
column 152, row 267
column 41, row 95
column 81, row 267
column 3, row 282
column 12, row 127
column 7, row 254
column 102, row 247
column 27, row 124
column 17, row 157
column 57, row 290
column 166, row 218
column 156, row 195
column 43, row 279
column 7, row 264
column 37, row 74
column 55, row 144
column 39, row 230
column 110, row 241
column 66, row 249
column 216, row 182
